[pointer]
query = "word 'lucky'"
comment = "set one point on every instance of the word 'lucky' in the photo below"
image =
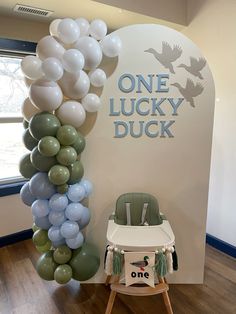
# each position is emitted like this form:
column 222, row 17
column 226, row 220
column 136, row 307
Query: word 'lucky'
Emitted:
column 144, row 106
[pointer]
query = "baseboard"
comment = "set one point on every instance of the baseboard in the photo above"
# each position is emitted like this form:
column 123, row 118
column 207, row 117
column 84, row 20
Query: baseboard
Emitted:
column 16, row 237
column 221, row 245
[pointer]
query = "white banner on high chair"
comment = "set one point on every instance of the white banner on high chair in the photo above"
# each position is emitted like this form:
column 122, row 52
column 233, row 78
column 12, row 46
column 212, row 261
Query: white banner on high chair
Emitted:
column 139, row 268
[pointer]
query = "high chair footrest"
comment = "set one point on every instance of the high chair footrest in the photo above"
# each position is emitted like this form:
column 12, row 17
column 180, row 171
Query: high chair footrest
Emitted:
column 139, row 291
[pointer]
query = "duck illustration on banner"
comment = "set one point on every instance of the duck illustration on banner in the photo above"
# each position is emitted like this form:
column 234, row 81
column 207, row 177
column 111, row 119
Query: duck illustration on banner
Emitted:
column 139, row 268
column 141, row 264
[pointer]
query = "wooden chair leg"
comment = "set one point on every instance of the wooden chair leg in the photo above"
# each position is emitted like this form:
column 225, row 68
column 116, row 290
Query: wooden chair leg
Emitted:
column 166, row 298
column 110, row 302
column 107, row 280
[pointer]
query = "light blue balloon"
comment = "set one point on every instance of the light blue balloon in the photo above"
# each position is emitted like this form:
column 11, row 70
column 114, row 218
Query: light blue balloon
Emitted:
column 26, row 196
column 74, row 211
column 40, row 208
column 76, row 242
column 84, row 220
column 88, row 186
column 42, row 222
column 56, row 218
column 54, row 234
column 58, row 202
column 56, row 244
column 76, row 192
column 41, row 187
column 69, row 229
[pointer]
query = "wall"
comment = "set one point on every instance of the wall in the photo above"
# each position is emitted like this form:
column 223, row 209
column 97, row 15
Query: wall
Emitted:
column 16, row 28
column 213, row 30
column 169, row 10
column 14, row 215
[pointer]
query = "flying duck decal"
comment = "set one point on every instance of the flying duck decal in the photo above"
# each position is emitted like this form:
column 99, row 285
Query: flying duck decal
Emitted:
column 190, row 91
column 196, row 65
column 170, row 55
column 167, row 56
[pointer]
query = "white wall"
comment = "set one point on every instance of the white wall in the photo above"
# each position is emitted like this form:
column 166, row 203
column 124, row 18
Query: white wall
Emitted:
column 18, row 28
column 213, row 28
column 168, row 10
column 14, row 215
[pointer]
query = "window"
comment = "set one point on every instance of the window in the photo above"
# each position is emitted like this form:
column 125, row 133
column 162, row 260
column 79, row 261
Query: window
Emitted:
column 13, row 91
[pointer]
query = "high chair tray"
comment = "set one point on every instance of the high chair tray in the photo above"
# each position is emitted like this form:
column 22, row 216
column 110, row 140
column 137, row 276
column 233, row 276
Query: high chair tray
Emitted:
column 140, row 238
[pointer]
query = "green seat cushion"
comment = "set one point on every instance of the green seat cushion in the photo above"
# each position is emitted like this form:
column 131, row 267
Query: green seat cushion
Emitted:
column 137, row 201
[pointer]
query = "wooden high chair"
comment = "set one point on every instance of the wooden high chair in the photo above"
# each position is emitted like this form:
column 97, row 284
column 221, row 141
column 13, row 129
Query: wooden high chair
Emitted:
column 138, row 226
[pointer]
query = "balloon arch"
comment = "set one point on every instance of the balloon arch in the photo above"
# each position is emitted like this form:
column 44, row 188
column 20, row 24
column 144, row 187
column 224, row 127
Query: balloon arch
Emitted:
column 60, row 75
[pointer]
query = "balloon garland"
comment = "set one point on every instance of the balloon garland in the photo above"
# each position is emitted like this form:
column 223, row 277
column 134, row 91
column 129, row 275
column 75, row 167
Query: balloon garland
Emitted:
column 61, row 73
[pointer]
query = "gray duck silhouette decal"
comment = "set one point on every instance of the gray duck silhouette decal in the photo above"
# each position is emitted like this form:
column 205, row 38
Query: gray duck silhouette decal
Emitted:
column 196, row 65
column 190, row 91
column 167, row 56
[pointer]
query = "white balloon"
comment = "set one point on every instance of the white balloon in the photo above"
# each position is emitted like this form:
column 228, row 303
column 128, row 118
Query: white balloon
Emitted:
column 69, row 229
column 73, row 60
column 75, row 243
column 97, row 77
column 91, row 51
column 111, row 45
column 28, row 109
column 68, row 31
column 75, row 85
column 52, row 69
column 53, row 27
column 28, row 81
column 31, row 67
column 46, row 95
column 98, row 29
column 91, row 102
column 83, row 26
column 72, row 113
column 49, row 47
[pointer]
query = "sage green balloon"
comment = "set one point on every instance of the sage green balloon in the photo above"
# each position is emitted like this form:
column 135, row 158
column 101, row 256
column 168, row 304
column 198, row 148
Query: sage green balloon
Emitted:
column 29, row 141
column 79, row 144
column 34, row 227
column 62, row 254
column 63, row 274
column 58, row 175
column 76, row 172
column 67, row 135
column 62, row 189
column 26, row 168
column 42, row 163
column 46, row 266
column 43, row 124
column 25, row 124
column 67, row 156
column 85, row 262
column 40, row 237
column 48, row 146
column 44, row 248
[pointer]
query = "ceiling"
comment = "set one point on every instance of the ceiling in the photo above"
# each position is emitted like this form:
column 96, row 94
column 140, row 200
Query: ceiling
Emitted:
column 116, row 13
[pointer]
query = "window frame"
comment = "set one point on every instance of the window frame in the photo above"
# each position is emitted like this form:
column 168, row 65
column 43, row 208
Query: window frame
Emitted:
column 14, row 48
